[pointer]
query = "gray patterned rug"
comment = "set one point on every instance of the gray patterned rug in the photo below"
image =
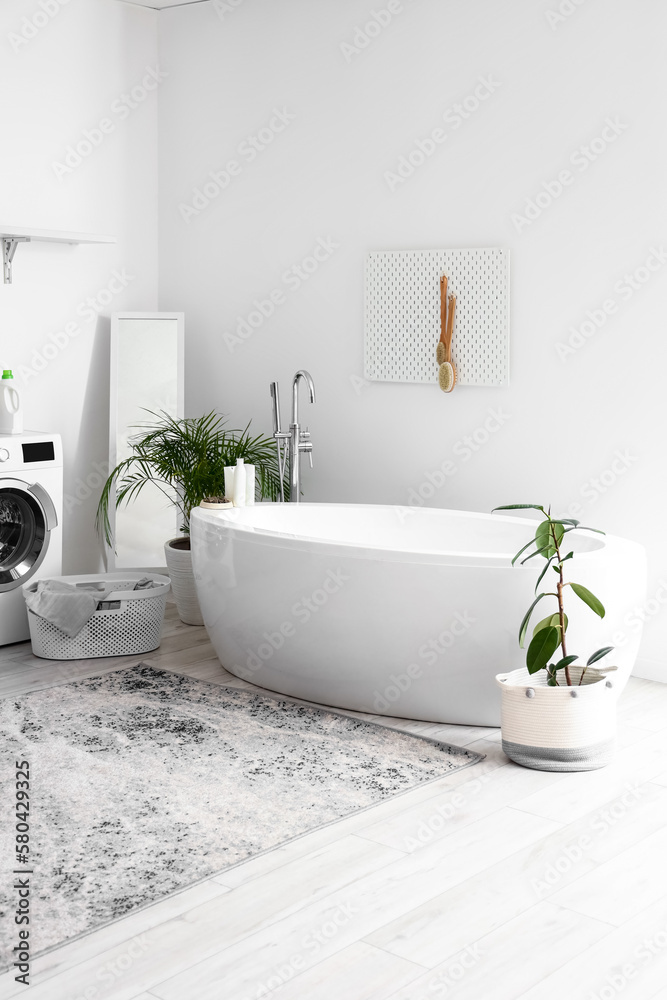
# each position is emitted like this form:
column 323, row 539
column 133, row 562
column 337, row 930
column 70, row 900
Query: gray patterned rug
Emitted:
column 143, row 782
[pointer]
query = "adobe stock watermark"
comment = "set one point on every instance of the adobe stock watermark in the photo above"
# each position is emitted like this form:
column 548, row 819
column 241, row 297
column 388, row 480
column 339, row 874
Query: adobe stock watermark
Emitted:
column 301, row 613
column 224, row 7
column 85, row 488
column 564, row 10
column 624, row 289
column 436, row 823
column 365, row 34
column 247, row 151
column 600, row 484
column 581, row 159
column 625, row 972
column 31, row 25
column 638, row 616
column 574, row 853
column 310, row 945
column 430, row 652
column 463, row 449
column 293, row 278
column 121, row 109
column 115, row 969
column 448, row 979
column 454, row 117
column 88, row 310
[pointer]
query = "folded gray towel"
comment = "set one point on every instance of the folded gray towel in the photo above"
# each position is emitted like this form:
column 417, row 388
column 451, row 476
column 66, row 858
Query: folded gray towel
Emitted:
column 67, row 607
column 144, row 584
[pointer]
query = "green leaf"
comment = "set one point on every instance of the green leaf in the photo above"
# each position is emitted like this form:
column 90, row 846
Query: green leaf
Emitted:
column 526, row 546
column 524, row 624
column 547, row 564
column 558, row 566
column 553, row 620
column 569, row 520
column 519, row 506
column 598, row 654
column 544, row 536
column 582, row 527
column 590, row 599
column 565, row 662
column 542, row 648
column 538, row 552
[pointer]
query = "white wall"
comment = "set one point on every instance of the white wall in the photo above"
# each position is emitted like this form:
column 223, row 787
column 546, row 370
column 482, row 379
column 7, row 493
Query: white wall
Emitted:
column 65, row 66
column 565, row 420
column 229, row 65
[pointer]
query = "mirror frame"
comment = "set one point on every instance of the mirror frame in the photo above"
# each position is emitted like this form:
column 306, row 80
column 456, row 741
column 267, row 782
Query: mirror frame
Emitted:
column 116, row 318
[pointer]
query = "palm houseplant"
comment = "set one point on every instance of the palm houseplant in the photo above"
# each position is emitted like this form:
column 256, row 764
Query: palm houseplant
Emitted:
column 557, row 714
column 185, row 458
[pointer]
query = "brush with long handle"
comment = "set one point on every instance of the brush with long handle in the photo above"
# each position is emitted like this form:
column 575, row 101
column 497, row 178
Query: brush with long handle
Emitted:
column 440, row 350
column 447, row 371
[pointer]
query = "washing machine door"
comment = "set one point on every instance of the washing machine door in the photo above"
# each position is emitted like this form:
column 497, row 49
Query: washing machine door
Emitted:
column 27, row 517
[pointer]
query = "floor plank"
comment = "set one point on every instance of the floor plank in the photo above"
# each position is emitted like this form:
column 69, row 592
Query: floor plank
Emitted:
column 360, row 971
column 623, row 886
column 512, row 958
column 630, row 962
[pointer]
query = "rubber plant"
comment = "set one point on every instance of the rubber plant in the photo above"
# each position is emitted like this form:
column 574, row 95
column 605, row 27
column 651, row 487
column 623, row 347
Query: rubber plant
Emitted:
column 550, row 633
column 186, row 458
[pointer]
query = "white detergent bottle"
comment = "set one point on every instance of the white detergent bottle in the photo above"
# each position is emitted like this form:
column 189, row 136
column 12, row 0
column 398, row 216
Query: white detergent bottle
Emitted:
column 239, row 483
column 11, row 414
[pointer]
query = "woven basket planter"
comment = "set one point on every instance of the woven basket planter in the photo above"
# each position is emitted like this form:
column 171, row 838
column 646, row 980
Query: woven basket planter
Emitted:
column 179, row 566
column 558, row 728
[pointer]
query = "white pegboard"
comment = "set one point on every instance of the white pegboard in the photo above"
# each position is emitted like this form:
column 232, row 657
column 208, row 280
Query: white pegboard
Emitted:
column 402, row 321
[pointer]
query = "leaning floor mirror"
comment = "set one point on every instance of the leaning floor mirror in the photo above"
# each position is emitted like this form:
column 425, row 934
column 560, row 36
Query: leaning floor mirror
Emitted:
column 146, row 365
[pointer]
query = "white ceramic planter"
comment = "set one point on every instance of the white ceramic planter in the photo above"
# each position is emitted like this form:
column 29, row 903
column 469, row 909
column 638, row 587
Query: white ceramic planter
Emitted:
column 216, row 504
column 558, row 728
column 179, row 566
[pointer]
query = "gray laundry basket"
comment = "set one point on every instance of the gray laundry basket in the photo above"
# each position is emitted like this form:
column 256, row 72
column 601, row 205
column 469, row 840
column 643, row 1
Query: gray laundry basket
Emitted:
column 127, row 622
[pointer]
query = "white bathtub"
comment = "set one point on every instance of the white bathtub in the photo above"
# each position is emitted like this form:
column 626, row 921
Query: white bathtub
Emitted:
column 395, row 611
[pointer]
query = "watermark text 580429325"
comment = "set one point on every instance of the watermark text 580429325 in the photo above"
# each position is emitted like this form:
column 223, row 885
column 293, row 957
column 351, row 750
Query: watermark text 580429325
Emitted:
column 22, row 873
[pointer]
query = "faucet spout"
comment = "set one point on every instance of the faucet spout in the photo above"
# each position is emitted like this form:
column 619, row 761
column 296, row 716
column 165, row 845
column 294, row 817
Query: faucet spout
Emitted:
column 299, row 441
column 307, row 377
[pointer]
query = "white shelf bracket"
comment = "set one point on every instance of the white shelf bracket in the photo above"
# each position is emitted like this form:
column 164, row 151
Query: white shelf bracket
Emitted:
column 9, row 245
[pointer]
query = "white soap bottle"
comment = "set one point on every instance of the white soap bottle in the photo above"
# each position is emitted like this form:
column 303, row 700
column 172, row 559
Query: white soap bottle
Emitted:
column 239, row 483
column 249, row 485
column 229, row 481
column 11, row 414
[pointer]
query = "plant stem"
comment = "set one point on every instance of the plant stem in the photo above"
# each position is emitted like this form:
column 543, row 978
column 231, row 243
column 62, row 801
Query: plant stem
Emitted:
column 561, row 610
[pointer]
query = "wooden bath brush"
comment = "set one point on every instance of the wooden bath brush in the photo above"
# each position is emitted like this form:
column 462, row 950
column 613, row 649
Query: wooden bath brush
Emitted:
column 447, row 371
column 440, row 352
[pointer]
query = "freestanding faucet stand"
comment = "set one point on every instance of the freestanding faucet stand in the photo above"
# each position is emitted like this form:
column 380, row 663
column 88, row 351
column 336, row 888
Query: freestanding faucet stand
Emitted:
column 295, row 441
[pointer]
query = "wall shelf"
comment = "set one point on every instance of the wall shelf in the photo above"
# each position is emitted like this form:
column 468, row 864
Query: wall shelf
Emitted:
column 11, row 236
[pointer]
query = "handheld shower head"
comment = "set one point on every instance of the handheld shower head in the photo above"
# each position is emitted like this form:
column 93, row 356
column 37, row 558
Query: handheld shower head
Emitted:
column 275, row 408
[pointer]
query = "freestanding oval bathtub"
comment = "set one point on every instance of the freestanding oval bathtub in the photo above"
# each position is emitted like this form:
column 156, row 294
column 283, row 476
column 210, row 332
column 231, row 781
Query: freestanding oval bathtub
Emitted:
column 394, row 610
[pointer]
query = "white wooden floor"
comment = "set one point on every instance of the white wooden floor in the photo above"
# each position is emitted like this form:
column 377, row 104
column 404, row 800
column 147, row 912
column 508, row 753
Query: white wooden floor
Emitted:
column 497, row 883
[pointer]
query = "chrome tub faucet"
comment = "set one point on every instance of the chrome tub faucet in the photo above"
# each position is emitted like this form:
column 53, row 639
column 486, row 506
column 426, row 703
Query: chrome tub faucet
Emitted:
column 291, row 444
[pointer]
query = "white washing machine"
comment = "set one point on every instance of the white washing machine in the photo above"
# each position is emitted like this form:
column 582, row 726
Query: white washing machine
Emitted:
column 31, row 510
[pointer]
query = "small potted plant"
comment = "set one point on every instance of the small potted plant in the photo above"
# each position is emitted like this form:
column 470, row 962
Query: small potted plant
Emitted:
column 556, row 714
column 186, row 458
